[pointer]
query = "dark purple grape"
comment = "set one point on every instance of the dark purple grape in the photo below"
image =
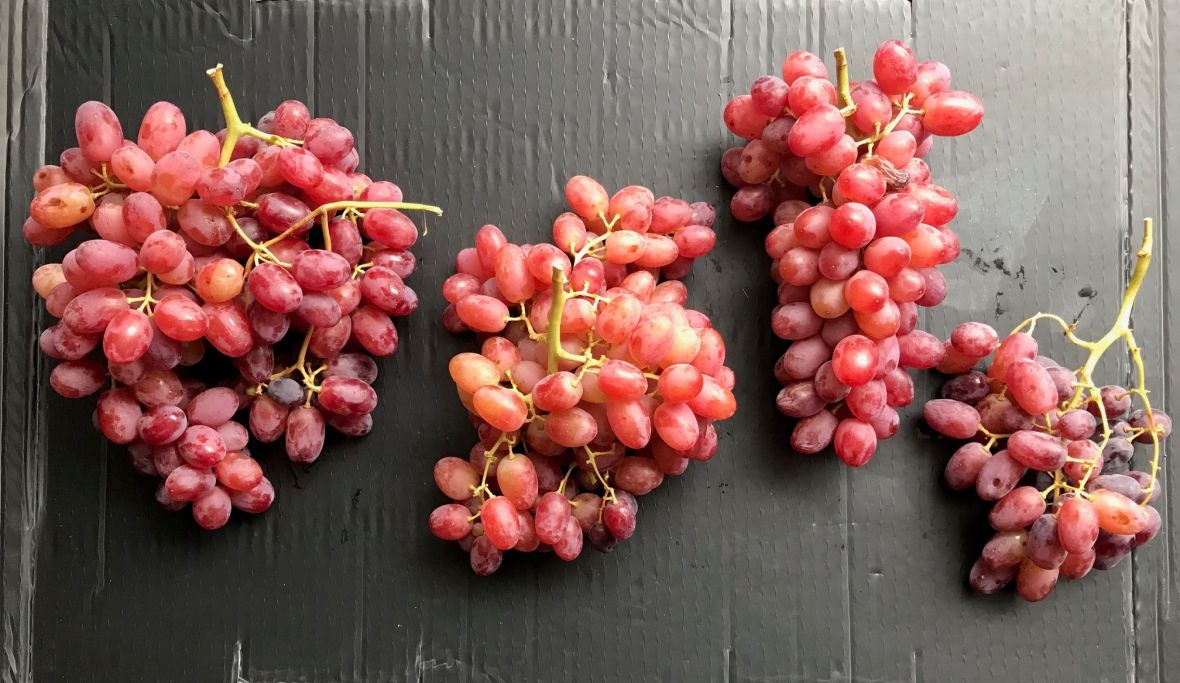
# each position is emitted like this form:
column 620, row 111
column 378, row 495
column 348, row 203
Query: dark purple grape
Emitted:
column 1110, row 549
column 286, row 392
column 967, row 388
column 1044, row 548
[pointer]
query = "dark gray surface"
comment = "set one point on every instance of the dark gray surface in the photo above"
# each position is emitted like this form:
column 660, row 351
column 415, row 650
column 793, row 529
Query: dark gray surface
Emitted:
column 760, row 565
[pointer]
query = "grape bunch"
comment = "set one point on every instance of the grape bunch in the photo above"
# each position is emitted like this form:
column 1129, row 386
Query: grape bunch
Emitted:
column 1051, row 450
column 200, row 292
column 852, row 270
column 593, row 381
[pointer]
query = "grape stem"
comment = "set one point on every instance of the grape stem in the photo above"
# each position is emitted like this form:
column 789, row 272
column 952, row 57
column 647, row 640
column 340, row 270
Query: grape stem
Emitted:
column 147, row 300
column 561, row 294
column 261, row 251
column 489, row 457
column 304, row 369
column 882, row 132
column 332, row 207
column 568, row 472
column 108, row 184
column 847, row 106
column 553, row 334
column 235, row 127
column 1085, row 388
column 608, row 492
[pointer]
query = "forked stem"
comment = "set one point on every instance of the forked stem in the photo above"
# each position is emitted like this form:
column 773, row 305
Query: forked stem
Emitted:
column 235, row 127
column 1085, row 389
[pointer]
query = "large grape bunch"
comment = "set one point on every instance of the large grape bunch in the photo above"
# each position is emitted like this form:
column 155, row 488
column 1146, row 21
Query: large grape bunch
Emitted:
column 1051, row 450
column 263, row 246
column 852, row 270
column 593, row 381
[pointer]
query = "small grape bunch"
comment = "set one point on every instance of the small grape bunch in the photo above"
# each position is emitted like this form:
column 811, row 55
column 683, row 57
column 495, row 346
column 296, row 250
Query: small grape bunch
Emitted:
column 852, row 271
column 593, row 382
column 198, row 247
column 1051, row 449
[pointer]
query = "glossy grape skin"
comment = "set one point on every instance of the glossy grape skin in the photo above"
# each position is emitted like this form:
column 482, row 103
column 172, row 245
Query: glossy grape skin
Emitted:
column 886, row 256
column 894, row 67
column 180, row 318
column 219, row 280
column 503, row 408
column 229, row 329
column 347, row 396
column 1077, row 525
column 275, row 288
column 817, row 130
column 187, row 483
column 855, row 442
column 866, row 291
column 1031, row 387
column 862, row 184
column 127, row 337
column 930, row 77
column 952, row 113
column 898, row 147
column 1118, row 514
column 854, row 360
column 501, row 522
column 1017, row 510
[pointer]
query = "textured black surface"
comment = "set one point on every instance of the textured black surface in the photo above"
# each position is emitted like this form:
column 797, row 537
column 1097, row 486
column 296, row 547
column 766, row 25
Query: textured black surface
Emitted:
column 760, row 565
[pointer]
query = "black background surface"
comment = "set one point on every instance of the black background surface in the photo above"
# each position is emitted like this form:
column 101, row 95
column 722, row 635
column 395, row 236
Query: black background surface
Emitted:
column 758, row 566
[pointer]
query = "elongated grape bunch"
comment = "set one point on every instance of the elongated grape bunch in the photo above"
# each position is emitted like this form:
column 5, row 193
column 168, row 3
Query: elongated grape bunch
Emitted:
column 261, row 245
column 1052, row 450
column 852, row 270
column 593, row 381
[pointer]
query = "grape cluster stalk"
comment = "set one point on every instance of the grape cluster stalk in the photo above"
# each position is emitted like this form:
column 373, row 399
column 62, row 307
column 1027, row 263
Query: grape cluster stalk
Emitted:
column 1052, row 449
column 853, row 269
column 207, row 294
column 593, row 383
